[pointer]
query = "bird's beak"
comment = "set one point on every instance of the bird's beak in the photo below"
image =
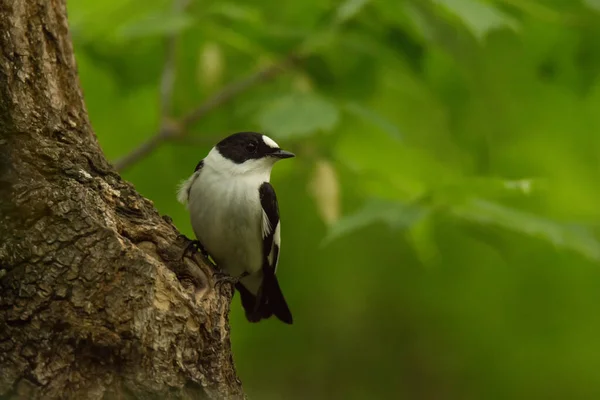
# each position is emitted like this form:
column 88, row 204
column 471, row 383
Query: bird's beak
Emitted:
column 282, row 154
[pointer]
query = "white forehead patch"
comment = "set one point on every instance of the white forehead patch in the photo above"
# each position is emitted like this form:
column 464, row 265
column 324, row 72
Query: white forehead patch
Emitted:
column 270, row 142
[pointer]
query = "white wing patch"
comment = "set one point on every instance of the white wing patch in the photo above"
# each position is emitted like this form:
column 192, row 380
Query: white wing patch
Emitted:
column 184, row 189
column 270, row 142
column 266, row 225
column 276, row 242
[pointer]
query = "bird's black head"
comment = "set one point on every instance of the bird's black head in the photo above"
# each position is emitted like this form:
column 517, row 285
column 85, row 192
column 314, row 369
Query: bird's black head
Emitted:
column 243, row 146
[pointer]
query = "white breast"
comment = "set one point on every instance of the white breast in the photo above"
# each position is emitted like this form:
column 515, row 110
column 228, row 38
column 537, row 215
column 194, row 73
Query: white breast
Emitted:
column 226, row 214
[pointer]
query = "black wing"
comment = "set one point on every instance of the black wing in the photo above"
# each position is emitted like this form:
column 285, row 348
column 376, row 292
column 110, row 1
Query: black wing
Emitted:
column 270, row 226
column 198, row 168
column 183, row 193
column 271, row 298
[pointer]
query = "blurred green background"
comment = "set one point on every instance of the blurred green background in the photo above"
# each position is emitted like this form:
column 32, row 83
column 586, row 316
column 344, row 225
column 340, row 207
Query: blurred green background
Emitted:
column 440, row 221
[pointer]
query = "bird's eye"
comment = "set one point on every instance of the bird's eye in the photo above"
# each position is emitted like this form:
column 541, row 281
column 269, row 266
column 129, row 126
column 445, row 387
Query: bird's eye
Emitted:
column 251, row 147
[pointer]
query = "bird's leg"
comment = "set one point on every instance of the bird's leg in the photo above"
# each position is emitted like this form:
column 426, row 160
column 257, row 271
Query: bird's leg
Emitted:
column 221, row 277
column 193, row 246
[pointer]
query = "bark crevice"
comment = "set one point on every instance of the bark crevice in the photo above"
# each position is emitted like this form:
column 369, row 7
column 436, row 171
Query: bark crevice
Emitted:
column 96, row 300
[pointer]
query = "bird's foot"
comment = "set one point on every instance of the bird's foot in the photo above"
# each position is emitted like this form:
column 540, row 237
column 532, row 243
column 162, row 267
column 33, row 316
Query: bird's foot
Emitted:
column 221, row 278
column 192, row 247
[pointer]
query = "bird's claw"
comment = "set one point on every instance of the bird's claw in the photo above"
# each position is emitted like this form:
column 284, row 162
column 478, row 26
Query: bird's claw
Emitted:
column 221, row 278
column 192, row 247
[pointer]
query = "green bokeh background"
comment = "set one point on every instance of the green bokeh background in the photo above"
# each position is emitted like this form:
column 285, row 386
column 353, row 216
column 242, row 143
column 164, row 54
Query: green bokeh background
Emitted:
column 440, row 223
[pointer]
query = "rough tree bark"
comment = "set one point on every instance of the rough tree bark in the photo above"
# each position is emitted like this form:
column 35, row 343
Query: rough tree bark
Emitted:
column 95, row 298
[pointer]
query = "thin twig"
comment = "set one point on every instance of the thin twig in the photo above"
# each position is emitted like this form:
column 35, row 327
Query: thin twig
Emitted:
column 204, row 140
column 139, row 152
column 178, row 129
column 235, row 88
column 167, row 84
column 167, row 80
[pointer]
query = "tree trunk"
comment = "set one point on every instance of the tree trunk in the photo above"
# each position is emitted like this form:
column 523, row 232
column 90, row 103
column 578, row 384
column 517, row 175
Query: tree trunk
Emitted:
column 96, row 300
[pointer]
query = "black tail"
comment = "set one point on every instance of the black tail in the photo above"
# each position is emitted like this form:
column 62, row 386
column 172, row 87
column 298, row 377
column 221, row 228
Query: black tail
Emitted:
column 273, row 301
column 249, row 302
column 270, row 301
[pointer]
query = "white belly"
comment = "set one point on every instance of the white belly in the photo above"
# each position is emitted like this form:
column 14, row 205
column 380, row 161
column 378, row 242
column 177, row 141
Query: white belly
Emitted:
column 226, row 217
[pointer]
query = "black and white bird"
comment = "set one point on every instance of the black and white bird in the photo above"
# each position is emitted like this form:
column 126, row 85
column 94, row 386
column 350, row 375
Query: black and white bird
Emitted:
column 235, row 216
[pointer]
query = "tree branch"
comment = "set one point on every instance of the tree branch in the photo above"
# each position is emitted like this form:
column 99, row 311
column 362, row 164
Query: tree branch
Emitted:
column 180, row 128
column 235, row 88
column 167, row 81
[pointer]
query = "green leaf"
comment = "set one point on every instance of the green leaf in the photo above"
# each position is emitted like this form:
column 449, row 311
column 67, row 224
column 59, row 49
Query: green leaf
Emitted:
column 236, row 12
column 373, row 118
column 396, row 215
column 464, row 189
column 348, row 9
column 298, row 115
column 319, row 41
column 543, row 12
column 96, row 22
column 236, row 40
column 573, row 237
column 422, row 237
column 156, row 24
column 593, row 4
column 479, row 17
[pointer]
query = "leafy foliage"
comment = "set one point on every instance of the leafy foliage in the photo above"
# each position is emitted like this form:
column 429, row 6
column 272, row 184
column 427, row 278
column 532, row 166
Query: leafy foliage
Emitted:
column 298, row 115
column 440, row 220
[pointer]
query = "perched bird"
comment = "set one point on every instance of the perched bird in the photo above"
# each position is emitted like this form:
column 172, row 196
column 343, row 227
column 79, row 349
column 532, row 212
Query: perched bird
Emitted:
column 235, row 216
